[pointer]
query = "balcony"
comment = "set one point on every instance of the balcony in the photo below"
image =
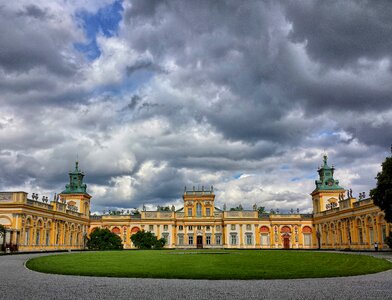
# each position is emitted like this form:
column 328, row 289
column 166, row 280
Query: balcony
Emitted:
column 241, row 214
column 363, row 202
column 39, row 204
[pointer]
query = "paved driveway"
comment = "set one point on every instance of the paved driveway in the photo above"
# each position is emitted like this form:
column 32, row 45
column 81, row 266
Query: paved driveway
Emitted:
column 17, row 282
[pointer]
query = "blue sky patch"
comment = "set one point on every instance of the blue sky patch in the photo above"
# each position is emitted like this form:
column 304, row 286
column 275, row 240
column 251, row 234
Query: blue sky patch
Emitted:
column 105, row 21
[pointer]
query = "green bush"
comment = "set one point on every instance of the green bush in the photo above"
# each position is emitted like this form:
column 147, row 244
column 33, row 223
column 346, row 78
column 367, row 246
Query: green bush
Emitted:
column 104, row 239
column 147, row 240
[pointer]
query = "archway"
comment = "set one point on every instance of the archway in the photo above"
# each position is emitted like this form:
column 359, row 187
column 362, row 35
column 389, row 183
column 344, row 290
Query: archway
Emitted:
column 199, row 241
column 264, row 236
column 307, row 236
column 286, row 241
column 286, row 234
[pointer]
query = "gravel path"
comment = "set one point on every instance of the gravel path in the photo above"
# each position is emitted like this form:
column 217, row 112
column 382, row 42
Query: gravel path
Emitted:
column 17, row 282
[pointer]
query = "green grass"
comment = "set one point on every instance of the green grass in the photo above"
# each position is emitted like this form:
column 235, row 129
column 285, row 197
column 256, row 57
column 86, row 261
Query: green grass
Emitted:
column 209, row 264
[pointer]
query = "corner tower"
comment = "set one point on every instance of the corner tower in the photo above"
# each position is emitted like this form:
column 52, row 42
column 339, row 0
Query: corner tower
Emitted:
column 327, row 192
column 75, row 195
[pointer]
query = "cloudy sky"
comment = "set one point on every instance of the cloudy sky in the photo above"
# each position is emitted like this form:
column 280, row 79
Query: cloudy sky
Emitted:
column 152, row 96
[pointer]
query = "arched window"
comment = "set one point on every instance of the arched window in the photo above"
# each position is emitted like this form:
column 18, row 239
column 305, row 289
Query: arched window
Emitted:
column 370, row 229
column 307, row 235
column 198, row 210
column 134, row 230
column 47, row 237
column 285, row 229
column 116, row 230
column 28, row 230
column 360, row 234
column 264, row 236
column 38, row 233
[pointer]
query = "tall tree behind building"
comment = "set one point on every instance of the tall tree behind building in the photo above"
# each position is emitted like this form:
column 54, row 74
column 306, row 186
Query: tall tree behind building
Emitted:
column 382, row 194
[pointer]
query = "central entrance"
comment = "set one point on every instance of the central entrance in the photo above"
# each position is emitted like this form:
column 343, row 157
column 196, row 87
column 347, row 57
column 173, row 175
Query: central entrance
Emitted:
column 286, row 242
column 199, row 242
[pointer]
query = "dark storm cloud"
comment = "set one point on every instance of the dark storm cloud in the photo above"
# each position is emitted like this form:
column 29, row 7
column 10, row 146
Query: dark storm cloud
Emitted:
column 196, row 92
column 246, row 49
column 28, row 43
column 339, row 33
column 225, row 44
column 34, row 11
column 143, row 65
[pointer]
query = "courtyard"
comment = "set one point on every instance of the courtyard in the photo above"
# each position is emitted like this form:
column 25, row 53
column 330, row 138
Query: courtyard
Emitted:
column 210, row 264
column 18, row 282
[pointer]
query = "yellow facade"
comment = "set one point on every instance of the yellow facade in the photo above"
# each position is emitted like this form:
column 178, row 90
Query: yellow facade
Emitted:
column 34, row 225
column 338, row 222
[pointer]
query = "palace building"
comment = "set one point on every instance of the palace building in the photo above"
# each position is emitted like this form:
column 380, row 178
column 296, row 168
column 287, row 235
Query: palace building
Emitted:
column 338, row 221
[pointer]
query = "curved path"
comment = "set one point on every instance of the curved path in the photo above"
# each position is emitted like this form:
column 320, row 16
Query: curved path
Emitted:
column 17, row 282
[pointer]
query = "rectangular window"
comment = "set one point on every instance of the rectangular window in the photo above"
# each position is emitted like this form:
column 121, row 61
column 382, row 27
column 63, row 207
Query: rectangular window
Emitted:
column 151, row 227
column 307, row 239
column 190, row 227
column 248, row 227
column 232, row 227
column 165, row 227
column 233, row 239
column 208, row 227
column 249, row 239
column 199, row 227
column 181, row 240
column 208, row 211
column 180, row 227
column 265, row 239
column 190, row 240
column 189, row 212
column 218, row 239
column 208, row 240
column 198, row 209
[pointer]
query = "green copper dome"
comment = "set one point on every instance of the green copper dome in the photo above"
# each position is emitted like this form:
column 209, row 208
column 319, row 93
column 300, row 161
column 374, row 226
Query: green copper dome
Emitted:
column 76, row 185
column 326, row 181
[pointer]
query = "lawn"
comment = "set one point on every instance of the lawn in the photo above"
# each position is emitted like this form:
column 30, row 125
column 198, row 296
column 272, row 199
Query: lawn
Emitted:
column 209, row 264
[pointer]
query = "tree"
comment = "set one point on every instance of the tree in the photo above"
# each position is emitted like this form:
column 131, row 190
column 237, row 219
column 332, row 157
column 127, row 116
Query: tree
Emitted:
column 163, row 208
column 382, row 194
column 238, row 208
column 147, row 240
column 104, row 239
